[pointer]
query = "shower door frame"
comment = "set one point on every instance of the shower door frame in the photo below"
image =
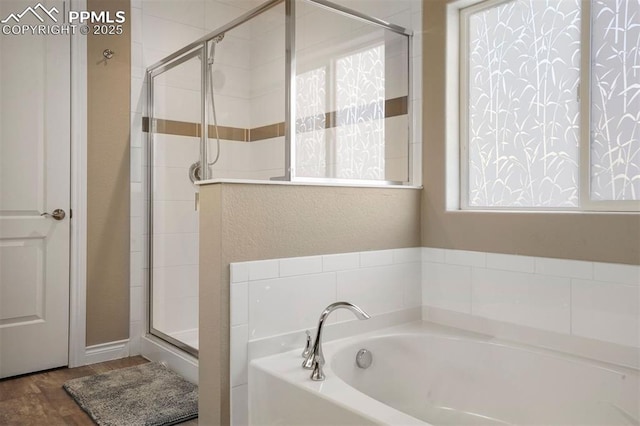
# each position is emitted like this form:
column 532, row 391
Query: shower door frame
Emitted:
column 199, row 48
column 151, row 74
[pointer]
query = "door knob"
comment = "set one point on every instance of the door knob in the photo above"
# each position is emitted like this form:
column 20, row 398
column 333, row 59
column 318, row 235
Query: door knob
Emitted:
column 58, row 214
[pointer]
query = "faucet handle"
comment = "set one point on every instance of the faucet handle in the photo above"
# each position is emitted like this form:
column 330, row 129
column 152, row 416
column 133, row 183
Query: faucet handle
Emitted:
column 307, row 346
column 308, row 354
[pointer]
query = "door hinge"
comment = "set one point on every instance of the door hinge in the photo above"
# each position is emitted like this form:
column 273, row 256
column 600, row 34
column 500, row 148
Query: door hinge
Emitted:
column 70, row 213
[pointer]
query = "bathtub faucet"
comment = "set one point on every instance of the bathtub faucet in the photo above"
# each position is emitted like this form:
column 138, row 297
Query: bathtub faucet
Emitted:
column 315, row 360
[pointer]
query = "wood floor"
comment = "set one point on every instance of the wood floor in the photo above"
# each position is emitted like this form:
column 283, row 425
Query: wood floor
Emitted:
column 39, row 400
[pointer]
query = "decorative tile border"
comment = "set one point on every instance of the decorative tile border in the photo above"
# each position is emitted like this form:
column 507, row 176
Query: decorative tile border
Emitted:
column 393, row 108
column 184, row 128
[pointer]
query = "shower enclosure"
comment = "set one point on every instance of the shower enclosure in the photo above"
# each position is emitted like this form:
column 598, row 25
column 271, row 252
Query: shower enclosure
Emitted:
column 294, row 90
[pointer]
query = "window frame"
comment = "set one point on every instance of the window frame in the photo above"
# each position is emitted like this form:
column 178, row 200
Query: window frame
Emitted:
column 585, row 203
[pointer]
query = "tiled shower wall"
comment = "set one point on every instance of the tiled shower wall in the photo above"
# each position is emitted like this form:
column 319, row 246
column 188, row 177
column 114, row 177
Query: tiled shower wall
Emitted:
column 158, row 29
column 238, row 76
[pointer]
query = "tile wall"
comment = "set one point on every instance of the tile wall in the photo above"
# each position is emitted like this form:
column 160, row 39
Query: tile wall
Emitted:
column 274, row 301
column 593, row 300
column 241, row 78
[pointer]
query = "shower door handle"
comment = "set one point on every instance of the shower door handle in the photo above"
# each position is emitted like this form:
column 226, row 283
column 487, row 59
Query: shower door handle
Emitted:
column 57, row 214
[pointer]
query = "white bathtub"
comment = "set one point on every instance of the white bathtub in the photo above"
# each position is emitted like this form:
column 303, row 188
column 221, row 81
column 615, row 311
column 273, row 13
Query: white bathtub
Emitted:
column 427, row 374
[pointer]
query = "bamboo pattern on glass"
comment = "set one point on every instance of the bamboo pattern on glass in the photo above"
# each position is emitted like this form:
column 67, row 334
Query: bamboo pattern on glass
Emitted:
column 311, row 106
column 615, row 100
column 360, row 127
column 523, row 112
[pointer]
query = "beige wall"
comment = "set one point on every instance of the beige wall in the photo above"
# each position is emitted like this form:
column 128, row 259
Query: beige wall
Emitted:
column 108, row 93
column 586, row 236
column 240, row 222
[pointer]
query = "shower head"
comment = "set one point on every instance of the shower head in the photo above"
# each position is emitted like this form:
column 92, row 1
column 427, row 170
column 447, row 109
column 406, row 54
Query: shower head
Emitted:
column 212, row 49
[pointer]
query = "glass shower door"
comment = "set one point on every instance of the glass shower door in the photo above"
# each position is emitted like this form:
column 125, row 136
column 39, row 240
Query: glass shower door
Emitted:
column 174, row 148
column 231, row 88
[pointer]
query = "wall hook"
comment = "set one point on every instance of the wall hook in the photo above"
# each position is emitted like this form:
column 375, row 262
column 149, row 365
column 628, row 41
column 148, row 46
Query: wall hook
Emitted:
column 108, row 53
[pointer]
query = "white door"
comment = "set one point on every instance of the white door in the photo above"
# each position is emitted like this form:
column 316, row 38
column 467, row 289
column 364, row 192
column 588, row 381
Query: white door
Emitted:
column 34, row 179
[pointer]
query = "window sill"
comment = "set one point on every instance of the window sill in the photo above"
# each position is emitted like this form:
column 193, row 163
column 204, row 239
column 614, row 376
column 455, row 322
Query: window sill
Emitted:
column 342, row 184
column 563, row 211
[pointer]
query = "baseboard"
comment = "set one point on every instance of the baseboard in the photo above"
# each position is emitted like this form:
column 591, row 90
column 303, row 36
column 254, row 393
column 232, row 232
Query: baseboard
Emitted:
column 106, row 351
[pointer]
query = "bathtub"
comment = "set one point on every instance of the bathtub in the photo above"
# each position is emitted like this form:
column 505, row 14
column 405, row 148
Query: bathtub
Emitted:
column 423, row 373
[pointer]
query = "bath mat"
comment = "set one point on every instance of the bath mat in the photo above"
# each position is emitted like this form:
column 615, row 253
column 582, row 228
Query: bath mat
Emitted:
column 145, row 395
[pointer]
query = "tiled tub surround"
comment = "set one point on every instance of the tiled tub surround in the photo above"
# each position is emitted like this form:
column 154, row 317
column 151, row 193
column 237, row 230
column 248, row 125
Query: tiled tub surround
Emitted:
column 543, row 300
column 586, row 308
column 274, row 301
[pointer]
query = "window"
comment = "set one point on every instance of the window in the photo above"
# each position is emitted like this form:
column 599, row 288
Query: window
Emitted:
column 346, row 140
column 311, row 123
column 539, row 131
column 360, row 115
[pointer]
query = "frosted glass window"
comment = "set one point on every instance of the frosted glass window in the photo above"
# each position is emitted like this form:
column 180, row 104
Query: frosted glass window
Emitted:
column 360, row 100
column 311, row 108
column 522, row 92
column 523, row 111
column 615, row 100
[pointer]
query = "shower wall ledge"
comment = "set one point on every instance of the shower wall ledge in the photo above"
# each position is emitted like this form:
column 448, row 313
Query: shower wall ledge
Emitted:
column 307, row 183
